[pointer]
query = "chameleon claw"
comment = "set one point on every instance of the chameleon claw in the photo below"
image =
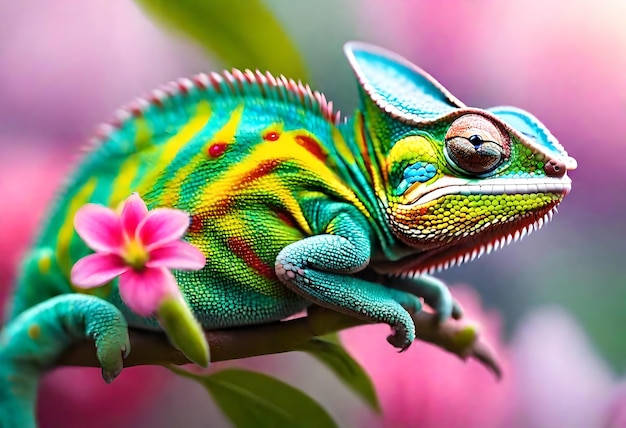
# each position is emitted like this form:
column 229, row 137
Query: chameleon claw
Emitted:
column 112, row 369
column 457, row 310
column 110, row 375
column 111, row 357
column 125, row 351
column 435, row 294
column 401, row 338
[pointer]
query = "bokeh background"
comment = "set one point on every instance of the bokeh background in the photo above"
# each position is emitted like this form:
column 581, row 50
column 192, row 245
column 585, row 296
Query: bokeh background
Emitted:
column 554, row 304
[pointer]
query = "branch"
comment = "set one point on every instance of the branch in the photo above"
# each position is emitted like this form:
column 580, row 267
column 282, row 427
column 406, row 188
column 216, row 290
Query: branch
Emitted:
column 153, row 348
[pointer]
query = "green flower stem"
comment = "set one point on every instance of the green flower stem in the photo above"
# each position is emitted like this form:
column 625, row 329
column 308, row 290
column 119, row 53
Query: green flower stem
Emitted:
column 153, row 347
column 183, row 330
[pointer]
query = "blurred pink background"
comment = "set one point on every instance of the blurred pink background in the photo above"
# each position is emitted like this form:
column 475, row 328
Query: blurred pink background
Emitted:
column 554, row 303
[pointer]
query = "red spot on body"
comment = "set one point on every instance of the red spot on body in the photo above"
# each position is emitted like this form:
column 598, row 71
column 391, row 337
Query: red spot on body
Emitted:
column 286, row 218
column 271, row 136
column 244, row 251
column 312, row 146
column 196, row 224
column 262, row 169
column 217, row 149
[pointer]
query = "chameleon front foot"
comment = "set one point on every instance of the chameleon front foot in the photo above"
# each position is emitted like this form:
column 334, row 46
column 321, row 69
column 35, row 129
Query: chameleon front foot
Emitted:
column 320, row 269
column 404, row 333
column 364, row 300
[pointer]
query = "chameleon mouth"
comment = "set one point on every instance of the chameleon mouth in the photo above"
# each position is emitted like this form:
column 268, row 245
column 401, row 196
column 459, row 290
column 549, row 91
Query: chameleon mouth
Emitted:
column 433, row 261
column 472, row 244
column 497, row 186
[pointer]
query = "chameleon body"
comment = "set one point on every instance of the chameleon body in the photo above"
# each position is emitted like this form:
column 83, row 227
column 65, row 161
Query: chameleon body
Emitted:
column 291, row 205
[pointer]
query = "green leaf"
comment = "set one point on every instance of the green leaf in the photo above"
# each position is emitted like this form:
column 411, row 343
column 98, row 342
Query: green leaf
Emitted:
column 242, row 33
column 251, row 399
column 337, row 359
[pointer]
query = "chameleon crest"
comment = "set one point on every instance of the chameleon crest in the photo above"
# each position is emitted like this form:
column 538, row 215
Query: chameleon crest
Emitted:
column 291, row 205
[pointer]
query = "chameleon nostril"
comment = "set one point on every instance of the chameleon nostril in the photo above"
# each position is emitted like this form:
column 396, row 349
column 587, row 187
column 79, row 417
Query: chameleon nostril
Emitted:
column 554, row 168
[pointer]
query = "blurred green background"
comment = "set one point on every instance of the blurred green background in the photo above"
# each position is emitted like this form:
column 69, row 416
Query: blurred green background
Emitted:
column 65, row 66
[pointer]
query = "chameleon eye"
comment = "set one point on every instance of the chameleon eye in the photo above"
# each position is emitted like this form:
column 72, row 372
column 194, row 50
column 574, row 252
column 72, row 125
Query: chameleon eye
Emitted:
column 474, row 145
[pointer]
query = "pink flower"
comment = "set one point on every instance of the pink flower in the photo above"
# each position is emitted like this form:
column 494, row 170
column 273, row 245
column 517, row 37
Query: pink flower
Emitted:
column 563, row 381
column 138, row 246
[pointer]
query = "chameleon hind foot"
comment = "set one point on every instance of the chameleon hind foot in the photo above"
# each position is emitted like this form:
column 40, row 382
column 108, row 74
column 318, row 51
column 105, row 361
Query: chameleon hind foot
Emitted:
column 434, row 292
column 31, row 344
column 39, row 335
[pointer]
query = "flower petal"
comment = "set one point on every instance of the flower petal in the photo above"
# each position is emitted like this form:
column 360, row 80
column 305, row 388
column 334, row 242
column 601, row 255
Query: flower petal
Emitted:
column 99, row 227
column 162, row 226
column 144, row 291
column 133, row 211
column 96, row 270
column 177, row 255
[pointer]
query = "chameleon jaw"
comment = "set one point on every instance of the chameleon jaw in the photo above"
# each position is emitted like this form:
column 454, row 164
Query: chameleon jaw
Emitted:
column 434, row 261
column 434, row 253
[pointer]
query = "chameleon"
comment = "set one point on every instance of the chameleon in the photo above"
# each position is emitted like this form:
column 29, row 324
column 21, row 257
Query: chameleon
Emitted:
column 292, row 204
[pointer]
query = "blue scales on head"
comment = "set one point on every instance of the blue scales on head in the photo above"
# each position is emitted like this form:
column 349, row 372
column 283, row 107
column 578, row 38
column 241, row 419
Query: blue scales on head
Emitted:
column 419, row 172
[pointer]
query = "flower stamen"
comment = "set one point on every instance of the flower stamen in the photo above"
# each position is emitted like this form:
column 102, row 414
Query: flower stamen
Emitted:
column 135, row 255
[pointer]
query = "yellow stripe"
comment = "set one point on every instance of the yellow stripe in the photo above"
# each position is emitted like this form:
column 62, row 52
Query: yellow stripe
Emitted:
column 227, row 133
column 342, row 147
column 293, row 206
column 143, row 134
column 121, row 187
column 44, row 261
column 186, row 133
column 171, row 195
column 377, row 182
column 284, row 149
column 174, row 144
column 66, row 232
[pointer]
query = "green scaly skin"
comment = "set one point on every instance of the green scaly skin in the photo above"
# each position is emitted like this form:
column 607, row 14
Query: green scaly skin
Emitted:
column 291, row 206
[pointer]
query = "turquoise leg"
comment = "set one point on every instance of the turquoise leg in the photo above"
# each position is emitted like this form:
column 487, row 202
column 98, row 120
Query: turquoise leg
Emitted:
column 434, row 292
column 318, row 268
column 31, row 343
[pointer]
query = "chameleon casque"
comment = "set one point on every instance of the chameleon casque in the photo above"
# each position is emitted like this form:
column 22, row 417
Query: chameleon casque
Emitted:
column 291, row 205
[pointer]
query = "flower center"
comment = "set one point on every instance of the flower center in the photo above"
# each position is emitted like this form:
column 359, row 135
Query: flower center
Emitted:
column 135, row 254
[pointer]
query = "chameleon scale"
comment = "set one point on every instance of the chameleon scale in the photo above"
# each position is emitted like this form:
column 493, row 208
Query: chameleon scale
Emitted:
column 292, row 204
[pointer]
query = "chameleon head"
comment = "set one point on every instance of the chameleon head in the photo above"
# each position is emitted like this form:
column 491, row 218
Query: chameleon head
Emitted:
column 454, row 181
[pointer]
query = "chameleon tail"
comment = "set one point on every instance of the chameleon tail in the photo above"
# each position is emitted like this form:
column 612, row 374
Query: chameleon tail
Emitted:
column 32, row 342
